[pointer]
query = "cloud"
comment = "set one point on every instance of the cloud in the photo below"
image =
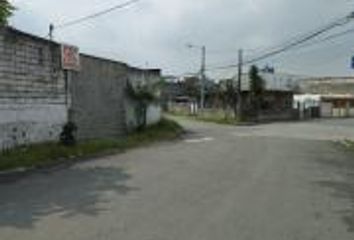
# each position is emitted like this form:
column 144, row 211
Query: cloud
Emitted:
column 154, row 32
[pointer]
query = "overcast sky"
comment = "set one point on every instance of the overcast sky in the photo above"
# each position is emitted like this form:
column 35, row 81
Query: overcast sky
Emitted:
column 154, row 33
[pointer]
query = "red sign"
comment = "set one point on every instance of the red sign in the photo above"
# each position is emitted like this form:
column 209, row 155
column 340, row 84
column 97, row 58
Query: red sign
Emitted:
column 70, row 57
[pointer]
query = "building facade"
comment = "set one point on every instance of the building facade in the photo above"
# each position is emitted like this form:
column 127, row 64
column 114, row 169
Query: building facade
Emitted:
column 329, row 96
column 278, row 96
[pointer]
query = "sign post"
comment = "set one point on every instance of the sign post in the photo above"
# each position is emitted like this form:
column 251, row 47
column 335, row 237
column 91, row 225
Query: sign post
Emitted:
column 70, row 61
column 70, row 57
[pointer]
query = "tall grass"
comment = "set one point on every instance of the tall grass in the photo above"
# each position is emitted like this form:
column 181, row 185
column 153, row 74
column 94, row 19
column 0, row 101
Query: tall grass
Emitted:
column 45, row 154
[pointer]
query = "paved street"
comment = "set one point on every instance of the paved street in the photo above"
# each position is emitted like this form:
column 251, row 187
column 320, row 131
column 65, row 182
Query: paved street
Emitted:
column 269, row 182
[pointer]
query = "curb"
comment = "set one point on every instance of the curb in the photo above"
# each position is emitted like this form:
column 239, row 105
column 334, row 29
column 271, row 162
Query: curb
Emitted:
column 20, row 173
column 14, row 175
column 246, row 124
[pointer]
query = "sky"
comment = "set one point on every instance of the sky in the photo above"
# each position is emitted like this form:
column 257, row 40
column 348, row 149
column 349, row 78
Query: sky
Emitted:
column 154, row 33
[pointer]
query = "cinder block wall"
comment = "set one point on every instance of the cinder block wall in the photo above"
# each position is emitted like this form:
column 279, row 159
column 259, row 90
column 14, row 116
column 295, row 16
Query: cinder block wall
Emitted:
column 36, row 100
column 101, row 107
column 98, row 98
column 32, row 89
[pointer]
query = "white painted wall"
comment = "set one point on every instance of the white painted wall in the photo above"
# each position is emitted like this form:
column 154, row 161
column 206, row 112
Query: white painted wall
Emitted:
column 30, row 123
column 154, row 111
column 326, row 109
column 153, row 114
column 130, row 114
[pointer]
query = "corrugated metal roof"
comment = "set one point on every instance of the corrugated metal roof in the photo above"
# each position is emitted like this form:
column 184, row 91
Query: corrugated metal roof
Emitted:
column 273, row 81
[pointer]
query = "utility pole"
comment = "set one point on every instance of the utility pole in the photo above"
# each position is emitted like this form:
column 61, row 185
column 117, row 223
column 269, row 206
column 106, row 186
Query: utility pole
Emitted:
column 202, row 74
column 202, row 79
column 51, row 30
column 239, row 84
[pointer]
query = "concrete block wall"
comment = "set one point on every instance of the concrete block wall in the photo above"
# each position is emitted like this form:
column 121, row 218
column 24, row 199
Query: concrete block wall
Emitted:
column 32, row 89
column 37, row 98
column 98, row 98
column 100, row 105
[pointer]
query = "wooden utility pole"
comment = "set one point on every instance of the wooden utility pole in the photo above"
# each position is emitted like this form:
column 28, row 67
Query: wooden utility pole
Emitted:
column 202, row 79
column 239, row 84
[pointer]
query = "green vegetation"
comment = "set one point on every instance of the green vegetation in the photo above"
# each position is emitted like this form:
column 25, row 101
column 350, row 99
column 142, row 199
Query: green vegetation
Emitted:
column 217, row 116
column 6, row 10
column 347, row 144
column 257, row 90
column 144, row 95
column 217, row 119
column 47, row 154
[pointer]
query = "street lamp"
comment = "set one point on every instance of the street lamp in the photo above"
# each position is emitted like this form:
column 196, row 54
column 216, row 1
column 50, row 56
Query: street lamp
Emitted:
column 202, row 73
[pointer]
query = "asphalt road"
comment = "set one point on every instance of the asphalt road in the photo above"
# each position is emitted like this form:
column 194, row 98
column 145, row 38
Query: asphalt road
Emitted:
column 269, row 182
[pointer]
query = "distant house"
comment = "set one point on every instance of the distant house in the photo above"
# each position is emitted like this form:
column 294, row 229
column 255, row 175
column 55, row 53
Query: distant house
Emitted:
column 186, row 90
column 324, row 105
column 172, row 88
column 327, row 85
column 278, row 96
column 329, row 96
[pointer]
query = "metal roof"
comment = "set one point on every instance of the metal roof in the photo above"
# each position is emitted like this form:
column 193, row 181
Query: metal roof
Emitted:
column 273, row 81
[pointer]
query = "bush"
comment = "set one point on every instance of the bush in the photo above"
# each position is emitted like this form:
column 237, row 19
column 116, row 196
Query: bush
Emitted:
column 67, row 136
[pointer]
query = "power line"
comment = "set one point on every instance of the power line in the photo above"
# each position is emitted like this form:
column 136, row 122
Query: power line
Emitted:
column 95, row 15
column 292, row 43
column 315, row 63
column 314, row 33
column 336, row 22
column 330, row 37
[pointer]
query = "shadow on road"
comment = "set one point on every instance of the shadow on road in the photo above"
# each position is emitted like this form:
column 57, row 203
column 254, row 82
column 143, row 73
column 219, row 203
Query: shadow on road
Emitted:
column 65, row 193
column 343, row 164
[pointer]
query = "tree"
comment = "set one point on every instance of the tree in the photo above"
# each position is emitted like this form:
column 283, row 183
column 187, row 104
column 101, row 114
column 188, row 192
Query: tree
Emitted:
column 6, row 10
column 225, row 96
column 143, row 95
column 191, row 85
column 257, row 89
